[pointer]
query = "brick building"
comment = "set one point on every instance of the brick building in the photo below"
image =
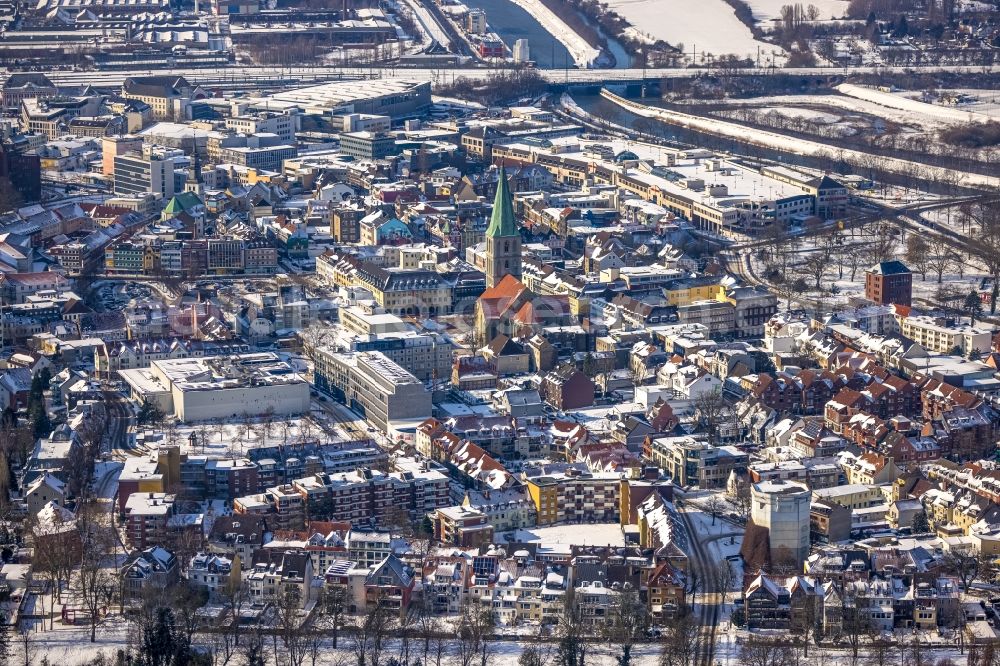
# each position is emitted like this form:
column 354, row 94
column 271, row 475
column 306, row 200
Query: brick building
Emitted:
column 889, row 283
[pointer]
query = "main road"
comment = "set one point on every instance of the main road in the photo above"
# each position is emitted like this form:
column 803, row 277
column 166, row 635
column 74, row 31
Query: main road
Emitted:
column 237, row 74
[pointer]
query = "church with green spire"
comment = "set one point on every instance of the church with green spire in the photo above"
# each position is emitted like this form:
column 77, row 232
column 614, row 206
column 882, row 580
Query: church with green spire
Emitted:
column 503, row 239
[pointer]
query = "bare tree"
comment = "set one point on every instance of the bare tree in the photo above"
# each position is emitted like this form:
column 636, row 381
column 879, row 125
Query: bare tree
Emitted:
column 714, row 414
column 714, row 506
column 724, row 577
column 227, row 627
column 253, row 649
column 918, row 254
column 205, row 433
column 289, row 620
column 882, row 652
column 882, row 242
column 805, row 622
column 628, row 623
column 246, row 428
column 531, row 656
column 914, row 653
column 855, row 259
column 963, row 564
column 815, row 266
column 406, row 624
column 680, row 640
column 985, row 216
column 758, row 651
column 185, row 599
column 475, row 631
column 333, row 608
column 26, row 639
column 940, row 257
column 97, row 588
column 368, row 641
column 856, row 624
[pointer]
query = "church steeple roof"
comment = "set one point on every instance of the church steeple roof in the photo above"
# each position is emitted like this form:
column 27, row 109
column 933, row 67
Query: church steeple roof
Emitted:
column 502, row 222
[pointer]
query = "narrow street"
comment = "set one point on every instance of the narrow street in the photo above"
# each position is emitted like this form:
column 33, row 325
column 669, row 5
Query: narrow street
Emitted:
column 709, row 608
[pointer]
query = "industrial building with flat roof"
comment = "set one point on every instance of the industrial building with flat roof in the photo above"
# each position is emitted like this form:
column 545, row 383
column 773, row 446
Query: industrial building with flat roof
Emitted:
column 387, row 97
column 219, row 387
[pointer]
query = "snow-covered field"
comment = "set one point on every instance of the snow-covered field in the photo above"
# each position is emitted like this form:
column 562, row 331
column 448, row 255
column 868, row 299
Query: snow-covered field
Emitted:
column 946, row 114
column 923, row 118
column 987, row 102
column 583, row 53
column 768, row 10
column 804, row 113
column 792, row 144
column 601, row 534
column 707, row 26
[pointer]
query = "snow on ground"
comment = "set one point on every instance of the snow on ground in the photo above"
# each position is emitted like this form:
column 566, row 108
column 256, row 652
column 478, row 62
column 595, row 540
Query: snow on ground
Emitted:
column 946, row 114
column 768, row 10
column 429, row 26
column 984, row 102
column 71, row 646
column 807, row 114
column 600, row 534
column 922, row 118
column 224, row 439
column 583, row 53
column 106, row 478
column 708, row 26
column 793, row 145
column 455, row 102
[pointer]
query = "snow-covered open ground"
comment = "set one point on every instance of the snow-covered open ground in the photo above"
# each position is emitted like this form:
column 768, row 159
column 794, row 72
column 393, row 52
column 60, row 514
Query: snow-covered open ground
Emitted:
column 768, row 10
column 707, row 26
column 986, row 102
column 429, row 27
column 924, row 117
column 794, row 145
column 804, row 113
column 225, row 439
column 946, row 114
column 600, row 534
column 583, row 53
column 71, row 646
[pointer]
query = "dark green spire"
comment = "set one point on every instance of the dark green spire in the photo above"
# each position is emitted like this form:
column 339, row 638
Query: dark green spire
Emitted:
column 502, row 223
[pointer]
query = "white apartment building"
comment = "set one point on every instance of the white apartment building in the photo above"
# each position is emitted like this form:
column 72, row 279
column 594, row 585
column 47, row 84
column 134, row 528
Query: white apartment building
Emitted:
column 271, row 123
column 937, row 335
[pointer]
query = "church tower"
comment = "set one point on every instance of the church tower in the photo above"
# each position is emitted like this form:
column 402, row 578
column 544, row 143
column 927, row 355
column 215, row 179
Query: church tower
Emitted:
column 194, row 183
column 503, row 240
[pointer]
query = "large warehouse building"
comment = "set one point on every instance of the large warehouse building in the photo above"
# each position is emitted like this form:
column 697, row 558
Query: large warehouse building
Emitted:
column 386, row 97
column 220, row 387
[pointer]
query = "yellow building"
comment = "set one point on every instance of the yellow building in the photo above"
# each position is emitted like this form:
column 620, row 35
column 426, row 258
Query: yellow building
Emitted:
column 575, row 496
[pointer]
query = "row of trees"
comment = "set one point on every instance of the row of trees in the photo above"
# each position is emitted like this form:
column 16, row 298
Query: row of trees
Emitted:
column 793, row 270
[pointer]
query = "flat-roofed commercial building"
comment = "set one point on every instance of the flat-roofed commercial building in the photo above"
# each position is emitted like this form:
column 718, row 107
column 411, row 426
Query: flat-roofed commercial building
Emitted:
column 373, row 384
column 220, row 387
column 135, row 174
